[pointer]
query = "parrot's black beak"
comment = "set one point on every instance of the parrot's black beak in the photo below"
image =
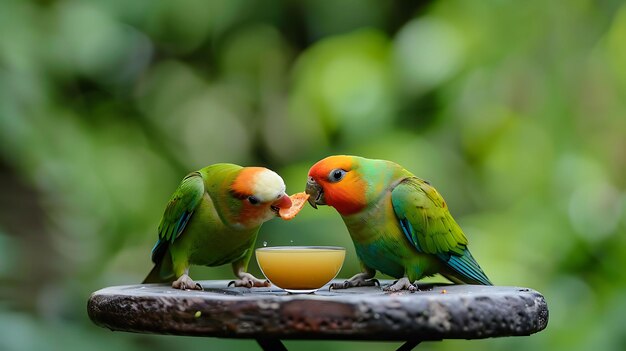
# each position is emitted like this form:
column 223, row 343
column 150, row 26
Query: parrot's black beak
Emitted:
column 316, row 193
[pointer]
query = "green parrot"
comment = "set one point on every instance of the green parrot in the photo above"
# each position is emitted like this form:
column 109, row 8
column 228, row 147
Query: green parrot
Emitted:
column 399, row 223
column 213, row 219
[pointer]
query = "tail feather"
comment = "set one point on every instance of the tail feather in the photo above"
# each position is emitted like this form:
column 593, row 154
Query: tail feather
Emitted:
column 162, row 271
column 154, row 276
column 159, row 250
column 467, row 269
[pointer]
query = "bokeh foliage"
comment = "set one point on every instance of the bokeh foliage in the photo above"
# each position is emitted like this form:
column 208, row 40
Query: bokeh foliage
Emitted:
column 514, row 110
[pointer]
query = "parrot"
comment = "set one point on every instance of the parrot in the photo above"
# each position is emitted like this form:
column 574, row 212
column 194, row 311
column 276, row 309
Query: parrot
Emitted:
column 400, row 225
column 213, row 219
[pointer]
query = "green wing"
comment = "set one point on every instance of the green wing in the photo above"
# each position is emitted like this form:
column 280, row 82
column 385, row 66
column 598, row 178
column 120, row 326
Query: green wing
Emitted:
column 429, row 226
column 179, row 210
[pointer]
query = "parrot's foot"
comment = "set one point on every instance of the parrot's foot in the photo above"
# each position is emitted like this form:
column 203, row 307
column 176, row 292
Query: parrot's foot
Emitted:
column 184, row 282
column 401, row 284
column 248, row 281
column 351, row 283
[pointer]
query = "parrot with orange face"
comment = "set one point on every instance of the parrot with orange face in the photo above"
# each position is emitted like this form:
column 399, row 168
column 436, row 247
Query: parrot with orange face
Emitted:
column 399, row 223
column 213, row 219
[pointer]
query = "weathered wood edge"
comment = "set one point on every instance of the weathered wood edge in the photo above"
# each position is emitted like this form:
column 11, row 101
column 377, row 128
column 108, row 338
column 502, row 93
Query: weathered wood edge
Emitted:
column 465, row 312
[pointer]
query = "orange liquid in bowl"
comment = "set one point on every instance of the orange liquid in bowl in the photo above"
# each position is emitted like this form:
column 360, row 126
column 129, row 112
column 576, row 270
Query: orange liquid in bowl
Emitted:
column 300, row 269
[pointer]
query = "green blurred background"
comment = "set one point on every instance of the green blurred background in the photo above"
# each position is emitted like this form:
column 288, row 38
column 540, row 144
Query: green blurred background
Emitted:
column 514, row 110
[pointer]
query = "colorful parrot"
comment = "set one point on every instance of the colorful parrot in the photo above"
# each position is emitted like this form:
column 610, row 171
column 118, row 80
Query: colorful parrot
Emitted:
column 399, row 223
column 213, row 219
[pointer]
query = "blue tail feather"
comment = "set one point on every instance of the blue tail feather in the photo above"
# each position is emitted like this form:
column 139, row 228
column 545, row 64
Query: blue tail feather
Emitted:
column 467, row 267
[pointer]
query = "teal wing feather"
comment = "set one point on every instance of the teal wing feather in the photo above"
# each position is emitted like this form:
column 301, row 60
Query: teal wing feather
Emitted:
column 179, row 210
column 430, row 228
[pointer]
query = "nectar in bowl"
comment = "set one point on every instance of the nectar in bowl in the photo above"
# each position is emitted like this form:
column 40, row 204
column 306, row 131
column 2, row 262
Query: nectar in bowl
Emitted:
column 300, row 269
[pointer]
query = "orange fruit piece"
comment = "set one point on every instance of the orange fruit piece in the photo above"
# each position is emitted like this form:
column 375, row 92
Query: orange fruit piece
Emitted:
column 298, row 200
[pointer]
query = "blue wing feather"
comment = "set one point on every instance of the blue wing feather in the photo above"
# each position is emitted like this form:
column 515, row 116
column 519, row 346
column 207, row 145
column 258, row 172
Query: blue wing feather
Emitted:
column 407, row 229
column 159, row 250
column 178, row 212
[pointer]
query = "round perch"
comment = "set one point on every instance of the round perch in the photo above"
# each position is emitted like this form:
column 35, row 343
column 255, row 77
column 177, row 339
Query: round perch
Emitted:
column 434, row 313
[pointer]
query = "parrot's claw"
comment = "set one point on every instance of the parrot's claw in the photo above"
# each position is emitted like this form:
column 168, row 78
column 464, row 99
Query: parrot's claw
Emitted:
column 184, row 282
column 354, row 283
column 248, row 281
column 336, row 286
column 401, row 284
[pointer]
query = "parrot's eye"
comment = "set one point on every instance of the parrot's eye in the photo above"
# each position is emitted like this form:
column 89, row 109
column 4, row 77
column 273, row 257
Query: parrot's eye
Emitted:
column 336, row 175
column 253, row 200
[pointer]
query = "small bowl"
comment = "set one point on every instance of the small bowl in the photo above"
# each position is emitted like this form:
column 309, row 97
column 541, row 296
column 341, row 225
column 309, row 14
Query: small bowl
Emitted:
column 300, row 269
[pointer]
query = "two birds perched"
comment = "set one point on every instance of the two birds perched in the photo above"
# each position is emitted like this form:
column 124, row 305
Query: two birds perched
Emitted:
column 400, row 224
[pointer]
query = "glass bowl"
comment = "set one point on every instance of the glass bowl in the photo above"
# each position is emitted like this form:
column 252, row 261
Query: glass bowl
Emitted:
column 300, row 269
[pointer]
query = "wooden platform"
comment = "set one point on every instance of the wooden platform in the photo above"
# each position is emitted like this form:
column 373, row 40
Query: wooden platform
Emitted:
column 436, row 312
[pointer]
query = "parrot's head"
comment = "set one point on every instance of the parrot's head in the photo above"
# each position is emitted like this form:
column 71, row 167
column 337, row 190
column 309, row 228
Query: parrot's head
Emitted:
column 350, row 183
column 258, row 194
column 338, row 181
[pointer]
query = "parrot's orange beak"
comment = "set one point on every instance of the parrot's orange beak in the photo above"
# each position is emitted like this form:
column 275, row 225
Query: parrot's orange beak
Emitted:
column 283, row 202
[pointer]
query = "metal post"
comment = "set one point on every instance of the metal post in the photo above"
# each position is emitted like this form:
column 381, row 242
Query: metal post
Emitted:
column 409, row 345
column 271, row 345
